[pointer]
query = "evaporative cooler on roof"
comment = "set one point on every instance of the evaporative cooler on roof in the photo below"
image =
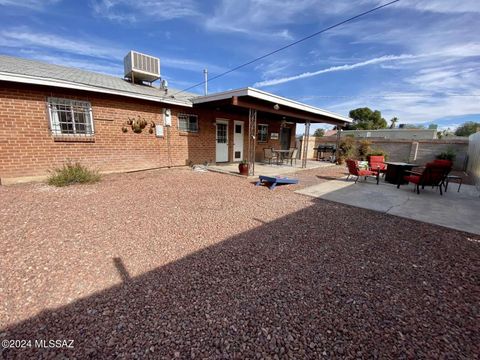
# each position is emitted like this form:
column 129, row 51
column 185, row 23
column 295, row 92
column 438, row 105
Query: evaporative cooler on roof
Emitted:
column 140, row 67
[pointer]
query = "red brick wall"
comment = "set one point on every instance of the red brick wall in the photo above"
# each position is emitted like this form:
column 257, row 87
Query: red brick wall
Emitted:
column 27, row 147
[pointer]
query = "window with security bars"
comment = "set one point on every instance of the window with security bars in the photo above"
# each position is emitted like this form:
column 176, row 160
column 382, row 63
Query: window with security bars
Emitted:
column 262, row 133
column 188, row 123
column 70, row 117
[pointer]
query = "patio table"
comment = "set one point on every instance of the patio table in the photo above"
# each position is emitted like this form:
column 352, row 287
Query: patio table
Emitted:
column 396, row 171
column 280, row 153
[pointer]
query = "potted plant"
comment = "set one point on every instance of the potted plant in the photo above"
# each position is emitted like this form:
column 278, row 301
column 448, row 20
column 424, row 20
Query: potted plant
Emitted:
column 243, row 167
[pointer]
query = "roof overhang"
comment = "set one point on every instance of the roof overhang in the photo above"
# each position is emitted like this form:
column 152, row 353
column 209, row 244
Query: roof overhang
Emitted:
column 26, row 79
column 273, row 104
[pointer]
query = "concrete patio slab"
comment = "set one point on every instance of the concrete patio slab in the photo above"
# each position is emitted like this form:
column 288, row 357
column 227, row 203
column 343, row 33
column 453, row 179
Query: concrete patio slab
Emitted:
column 270, row 169
column 456, row 210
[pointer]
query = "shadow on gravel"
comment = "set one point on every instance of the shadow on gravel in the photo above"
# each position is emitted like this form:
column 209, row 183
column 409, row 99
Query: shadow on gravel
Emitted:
column 322, row 282
column 122, row 270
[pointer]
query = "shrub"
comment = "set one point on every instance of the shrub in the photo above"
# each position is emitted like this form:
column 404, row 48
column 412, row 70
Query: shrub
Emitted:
column 73, row 173
column 364, row 148
column 447, row 155
column 378, row 152
column 346, row 149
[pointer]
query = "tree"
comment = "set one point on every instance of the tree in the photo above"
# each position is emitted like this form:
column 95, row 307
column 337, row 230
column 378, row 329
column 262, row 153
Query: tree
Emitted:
column 468, row 128
column 393, row 121
column 366, row 119
column 319, row 133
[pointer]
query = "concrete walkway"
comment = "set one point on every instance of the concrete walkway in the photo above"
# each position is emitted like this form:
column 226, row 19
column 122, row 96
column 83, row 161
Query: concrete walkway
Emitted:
column 456, row 210
column 270, row 169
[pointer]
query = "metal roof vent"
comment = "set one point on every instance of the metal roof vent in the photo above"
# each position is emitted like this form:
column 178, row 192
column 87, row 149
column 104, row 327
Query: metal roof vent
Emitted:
column 140, row 67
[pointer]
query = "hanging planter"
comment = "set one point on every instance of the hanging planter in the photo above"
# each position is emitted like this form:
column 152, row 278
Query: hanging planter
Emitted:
column 138, row 124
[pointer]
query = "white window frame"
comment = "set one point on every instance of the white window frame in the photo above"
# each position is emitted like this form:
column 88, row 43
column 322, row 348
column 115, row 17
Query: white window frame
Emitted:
column 266, row 133
column 188, row 122
column 53, row 116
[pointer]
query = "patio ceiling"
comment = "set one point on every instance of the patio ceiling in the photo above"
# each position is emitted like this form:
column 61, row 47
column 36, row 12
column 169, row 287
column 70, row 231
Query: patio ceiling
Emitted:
column 269, row 105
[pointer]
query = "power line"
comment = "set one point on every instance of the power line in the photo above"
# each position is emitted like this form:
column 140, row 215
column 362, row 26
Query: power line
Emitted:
column 395, row 96
column 290, row 45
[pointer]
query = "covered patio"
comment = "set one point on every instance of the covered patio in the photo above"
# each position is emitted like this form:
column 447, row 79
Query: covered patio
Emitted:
column 257, row 107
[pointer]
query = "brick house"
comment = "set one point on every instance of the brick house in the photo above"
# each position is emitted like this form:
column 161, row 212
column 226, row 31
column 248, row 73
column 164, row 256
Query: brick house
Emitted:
column 50, row 114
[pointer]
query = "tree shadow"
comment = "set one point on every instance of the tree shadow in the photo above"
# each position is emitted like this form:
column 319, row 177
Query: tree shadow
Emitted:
column 122, row 270
column 298, row 286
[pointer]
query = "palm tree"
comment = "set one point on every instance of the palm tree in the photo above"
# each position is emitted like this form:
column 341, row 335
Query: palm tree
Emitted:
column 393, row 121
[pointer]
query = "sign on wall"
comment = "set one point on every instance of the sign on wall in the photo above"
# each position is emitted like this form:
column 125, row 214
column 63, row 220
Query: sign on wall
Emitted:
column 273, row 136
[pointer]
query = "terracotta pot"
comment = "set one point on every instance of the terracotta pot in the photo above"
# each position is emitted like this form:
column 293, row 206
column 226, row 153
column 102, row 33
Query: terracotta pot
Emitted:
column 243, row 169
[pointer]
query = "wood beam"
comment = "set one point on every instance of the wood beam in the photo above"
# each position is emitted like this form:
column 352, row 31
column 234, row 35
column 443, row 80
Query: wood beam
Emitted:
column 300, row 115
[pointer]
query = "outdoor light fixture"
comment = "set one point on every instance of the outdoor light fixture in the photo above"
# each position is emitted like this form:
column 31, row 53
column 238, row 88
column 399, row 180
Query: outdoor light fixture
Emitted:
column 276, row 107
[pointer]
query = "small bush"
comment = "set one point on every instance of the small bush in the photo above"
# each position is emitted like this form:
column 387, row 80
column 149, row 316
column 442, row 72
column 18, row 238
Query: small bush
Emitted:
column 364, row 149
column 378, row 152
column 447, row 155
column 346, row 149
column 74, row 173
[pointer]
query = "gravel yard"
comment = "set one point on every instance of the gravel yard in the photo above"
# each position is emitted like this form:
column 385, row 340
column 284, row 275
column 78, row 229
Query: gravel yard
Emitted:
column 178, row 264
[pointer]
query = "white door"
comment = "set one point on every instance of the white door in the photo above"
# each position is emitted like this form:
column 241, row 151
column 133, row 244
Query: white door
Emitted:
column 222, row 141
column 238, row 141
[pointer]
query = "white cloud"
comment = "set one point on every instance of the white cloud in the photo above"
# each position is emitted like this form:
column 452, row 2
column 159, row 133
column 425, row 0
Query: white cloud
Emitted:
column 262, row 17
column 304, row 75
column 441, row 6
column 132, row 10
column 191, row 65
column 72, row 52
column 29, row 4
column 413, row 109
column 25, row 38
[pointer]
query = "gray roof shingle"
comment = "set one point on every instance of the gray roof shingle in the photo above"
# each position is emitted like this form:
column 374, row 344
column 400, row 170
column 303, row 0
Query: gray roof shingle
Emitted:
column 37, row 69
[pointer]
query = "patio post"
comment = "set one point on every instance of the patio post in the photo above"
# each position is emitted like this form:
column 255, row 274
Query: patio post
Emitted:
column 337, row 143
column 252, row 127
column 306, row 137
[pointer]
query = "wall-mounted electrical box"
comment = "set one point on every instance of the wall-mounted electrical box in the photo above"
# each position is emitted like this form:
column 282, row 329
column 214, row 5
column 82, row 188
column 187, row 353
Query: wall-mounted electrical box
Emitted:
column 167, row 117
column 158, row 130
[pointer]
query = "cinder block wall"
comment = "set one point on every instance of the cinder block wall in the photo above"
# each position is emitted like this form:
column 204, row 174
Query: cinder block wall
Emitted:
column 420, row 152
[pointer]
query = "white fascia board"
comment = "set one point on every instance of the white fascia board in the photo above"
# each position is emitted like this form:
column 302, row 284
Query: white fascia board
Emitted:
column 262, row 95
column 259, row 94
column 220, row 96
column 25, row 79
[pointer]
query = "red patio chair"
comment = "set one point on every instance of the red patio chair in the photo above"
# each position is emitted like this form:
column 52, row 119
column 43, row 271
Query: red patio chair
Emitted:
column 434, row 174
column 376, row 163
column 353, row 170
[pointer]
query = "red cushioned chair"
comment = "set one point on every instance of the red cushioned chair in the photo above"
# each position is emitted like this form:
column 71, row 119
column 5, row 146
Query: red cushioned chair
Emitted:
column 434, row 174
column 376, row 163
column 353, row 170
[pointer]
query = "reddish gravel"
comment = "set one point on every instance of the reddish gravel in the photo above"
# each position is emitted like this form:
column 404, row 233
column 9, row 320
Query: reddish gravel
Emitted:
column 174, row 263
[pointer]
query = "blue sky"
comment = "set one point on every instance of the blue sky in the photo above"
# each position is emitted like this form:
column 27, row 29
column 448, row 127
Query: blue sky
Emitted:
column 417, row 60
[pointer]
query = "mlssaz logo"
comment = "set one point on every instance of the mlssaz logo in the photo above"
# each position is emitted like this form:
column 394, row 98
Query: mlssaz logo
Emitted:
column 66, row 344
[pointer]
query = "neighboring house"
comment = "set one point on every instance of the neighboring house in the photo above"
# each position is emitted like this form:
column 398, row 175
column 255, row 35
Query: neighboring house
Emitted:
column 330, row 133
column 52, row 114
column 406, row 134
